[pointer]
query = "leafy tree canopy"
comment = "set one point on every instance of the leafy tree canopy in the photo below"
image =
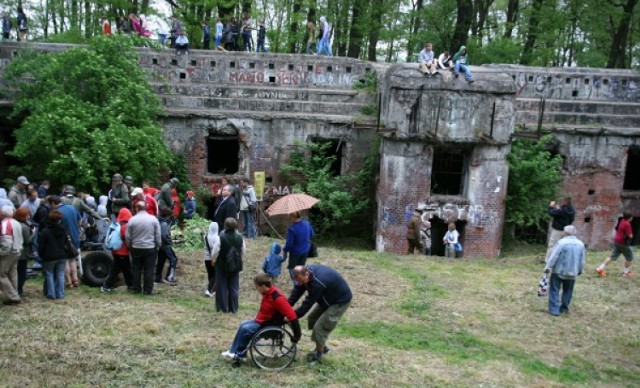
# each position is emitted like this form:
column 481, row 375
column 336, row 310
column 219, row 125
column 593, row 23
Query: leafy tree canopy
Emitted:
column 534, row 178
column 89, row 112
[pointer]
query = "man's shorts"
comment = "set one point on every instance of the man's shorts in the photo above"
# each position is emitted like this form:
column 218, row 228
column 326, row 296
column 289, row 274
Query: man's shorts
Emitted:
column 622, row 249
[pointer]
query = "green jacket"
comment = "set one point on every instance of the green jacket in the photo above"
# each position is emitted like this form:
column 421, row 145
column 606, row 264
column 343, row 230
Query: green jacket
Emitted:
column 459, row 54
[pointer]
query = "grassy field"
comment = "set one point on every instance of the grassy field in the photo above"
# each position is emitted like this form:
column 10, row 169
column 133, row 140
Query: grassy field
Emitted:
column 414, row 321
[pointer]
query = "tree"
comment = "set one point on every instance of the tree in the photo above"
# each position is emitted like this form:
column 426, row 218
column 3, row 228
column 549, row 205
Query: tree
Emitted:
column 534, row 177
column 89, row 112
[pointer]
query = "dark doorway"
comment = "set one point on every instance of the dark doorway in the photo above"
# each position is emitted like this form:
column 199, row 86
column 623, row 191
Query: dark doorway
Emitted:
column 332, row 148
column 631, row 174
column 438, row 230
column 222, row 154
column 447, row 172
column 635, row 228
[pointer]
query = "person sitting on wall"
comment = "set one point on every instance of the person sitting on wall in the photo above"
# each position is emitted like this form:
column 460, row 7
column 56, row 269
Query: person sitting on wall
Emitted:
column 426, row 63
column 461, row 61
column 182, row 43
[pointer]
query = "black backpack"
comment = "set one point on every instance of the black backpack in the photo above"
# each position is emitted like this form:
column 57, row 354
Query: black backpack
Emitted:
column 233, row 260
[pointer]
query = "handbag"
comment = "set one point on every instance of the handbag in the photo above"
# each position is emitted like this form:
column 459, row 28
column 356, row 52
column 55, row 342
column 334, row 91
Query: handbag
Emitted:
column 313, row 250
column 70, row 248
column 458, row 247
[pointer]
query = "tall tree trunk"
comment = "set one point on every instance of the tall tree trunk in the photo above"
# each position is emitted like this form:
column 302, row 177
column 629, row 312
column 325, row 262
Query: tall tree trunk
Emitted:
column 463, row 24
column 617, row 53
column 313, row 9
column 415, row 24
column 532, row 33
column 512, row 16
column 376, row 24
column 482, row 12
column 356, row 35
column 294, row 23
column 144, row 7
column 88, row 27
column 74, row 14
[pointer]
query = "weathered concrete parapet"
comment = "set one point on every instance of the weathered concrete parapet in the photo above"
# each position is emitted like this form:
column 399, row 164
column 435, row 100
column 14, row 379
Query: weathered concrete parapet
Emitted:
column 446, row 149
column 437, row 108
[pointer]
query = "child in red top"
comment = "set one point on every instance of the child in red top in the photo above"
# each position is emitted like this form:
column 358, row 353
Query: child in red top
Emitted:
column 621, row 245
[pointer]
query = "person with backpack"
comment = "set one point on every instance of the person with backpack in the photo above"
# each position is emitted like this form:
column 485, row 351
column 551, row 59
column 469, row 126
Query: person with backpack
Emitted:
column 211, row 253
column 115, row 242
column 166, row 252
column 228, row 267
column 11, row 243
column 272, row 264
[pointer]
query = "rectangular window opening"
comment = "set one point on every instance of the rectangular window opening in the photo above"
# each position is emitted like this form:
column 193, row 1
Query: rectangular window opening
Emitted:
column 631, row 176
column 212, row 63
column 591, row 191
column 448, row 172
column 232, row 65
column 309, row 67
column 290, row 67
column 567, row 81
column 272, row 66
column 194, row 62
column 154, row 61
column 329, row 69
column 272, row 79
column 348, row 69
column 586, row 81
column 530, row 78
column 332, row 149
column 183, row 75
column 174, row 62
column 587, row 220
column 252, row 65
column 222, row 154
column 574, row 93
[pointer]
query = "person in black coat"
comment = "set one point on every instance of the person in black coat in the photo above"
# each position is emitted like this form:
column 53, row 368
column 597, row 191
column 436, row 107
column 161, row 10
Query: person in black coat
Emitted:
column 51, row 249
column 226, row 208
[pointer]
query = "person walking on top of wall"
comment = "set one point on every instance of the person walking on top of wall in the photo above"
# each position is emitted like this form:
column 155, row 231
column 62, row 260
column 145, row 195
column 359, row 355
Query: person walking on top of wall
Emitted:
column 311, row 41
column 324, row 46
column 621, row 245
column 6, row 26
column 562, row 216
column 22, row 25
column 461, row 61
column 262, row 35
column 206, row 34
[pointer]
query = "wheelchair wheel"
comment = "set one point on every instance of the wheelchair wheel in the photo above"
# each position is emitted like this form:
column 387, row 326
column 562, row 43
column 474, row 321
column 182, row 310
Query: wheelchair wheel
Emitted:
column 272, row 348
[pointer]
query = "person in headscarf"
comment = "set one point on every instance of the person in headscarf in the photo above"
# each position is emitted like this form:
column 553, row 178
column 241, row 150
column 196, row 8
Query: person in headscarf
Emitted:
column 211, row 251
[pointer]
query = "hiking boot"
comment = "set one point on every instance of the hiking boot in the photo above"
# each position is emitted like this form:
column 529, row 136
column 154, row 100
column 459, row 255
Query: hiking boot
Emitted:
column 628, row 274
column 601, row 272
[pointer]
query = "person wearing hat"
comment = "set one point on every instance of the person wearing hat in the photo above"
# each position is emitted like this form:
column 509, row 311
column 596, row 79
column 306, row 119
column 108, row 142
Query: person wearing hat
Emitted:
column 70, row 199
column 138, row 195
column 189, row 206
column 182, row 43
column 565, row 265
column 413, row 233
column 165, row 201
column 18, row 193
column 128, row 181
column 118, row 195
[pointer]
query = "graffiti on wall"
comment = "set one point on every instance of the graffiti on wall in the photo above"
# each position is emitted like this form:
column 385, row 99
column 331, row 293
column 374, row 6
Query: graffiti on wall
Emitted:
column 474, row 214
column 583, row 86
column 291, row 78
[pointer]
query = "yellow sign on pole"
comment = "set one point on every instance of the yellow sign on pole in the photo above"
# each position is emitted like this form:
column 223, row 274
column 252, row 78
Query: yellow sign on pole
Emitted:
column 258, row 184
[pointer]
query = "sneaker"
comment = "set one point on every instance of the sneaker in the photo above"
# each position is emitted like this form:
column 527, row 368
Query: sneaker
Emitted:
column 314, row 357
column 628, row 274
column 601, row 272
column 207, row 293
column 105, row 289
column 227, row 354
column 471, row 81
column 326, row 350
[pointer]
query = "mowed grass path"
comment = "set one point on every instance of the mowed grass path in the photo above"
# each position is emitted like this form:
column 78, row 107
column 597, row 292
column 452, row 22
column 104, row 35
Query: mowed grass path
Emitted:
column 414, row 321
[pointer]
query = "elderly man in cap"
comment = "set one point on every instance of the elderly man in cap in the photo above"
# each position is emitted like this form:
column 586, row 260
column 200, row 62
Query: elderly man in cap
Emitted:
column 18, row 193
column 118, row 195
column 138, row 195
column 71, row 199
column 414, row 240
column 565, row 264
column 165, row 201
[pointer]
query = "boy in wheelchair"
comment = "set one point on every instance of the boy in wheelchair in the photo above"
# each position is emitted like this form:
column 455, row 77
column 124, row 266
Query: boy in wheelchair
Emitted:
column 273, row 308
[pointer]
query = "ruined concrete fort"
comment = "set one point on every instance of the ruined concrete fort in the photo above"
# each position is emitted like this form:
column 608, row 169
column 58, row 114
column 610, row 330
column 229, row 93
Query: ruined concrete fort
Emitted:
column 443, row 142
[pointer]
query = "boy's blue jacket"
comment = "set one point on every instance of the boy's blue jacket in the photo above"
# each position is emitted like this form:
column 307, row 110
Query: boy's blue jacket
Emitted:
column 273, row 262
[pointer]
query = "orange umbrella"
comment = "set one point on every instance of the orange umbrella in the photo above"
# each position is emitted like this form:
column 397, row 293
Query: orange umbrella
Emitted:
column 291, row 203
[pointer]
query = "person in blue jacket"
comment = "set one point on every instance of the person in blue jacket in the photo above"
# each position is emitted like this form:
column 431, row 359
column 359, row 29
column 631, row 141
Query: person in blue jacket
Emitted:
column 298, row 242
column 273, row 262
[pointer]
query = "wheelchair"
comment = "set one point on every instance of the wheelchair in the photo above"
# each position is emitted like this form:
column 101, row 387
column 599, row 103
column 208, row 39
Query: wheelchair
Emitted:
column 272, row 347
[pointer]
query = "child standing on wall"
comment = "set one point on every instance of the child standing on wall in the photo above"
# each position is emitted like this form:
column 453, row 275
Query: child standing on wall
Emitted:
column 272, row 264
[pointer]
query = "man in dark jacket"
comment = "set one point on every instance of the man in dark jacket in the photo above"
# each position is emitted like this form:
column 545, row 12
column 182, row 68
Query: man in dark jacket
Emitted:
column 227, row 281
column 562, row 216
column 166, row 251
column 330, row 293
column 226, row 208
column 118, row 195
column 164, row 200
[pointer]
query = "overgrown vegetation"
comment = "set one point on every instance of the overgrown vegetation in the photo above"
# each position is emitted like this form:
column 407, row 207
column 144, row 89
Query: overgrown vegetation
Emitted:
column 343, row 198
column 534, row 179
column 89, row 112
column 368, row 84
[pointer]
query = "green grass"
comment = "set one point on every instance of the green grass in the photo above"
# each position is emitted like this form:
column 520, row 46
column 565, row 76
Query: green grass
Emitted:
column 414, row 321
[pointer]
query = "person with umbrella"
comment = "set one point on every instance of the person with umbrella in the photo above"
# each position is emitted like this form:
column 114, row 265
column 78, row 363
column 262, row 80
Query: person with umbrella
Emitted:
column 298, row 243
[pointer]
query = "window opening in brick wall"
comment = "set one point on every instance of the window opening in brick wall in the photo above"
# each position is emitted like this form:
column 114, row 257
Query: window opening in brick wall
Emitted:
column 183, row 75
column 631, row 175
column 587, row 220
column 154, row 61
column 222, row 154
column 194, row 62
column 591, row 192
column 448, row 171
column 333, row 149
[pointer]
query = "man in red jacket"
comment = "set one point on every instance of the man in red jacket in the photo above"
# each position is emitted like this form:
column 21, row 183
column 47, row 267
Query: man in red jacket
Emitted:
column 274, row 305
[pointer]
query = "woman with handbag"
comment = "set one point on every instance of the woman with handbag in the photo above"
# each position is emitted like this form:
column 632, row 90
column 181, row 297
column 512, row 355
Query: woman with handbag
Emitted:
column 451, row 240
column 52, row 250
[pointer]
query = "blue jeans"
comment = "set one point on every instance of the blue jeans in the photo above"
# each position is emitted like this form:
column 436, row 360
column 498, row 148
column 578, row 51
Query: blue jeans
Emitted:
column 555, row 306
column 248, row 224
column 324, row 48
column 260, row 47
column 243, row 336
column 465, row 69
column 54, row 276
